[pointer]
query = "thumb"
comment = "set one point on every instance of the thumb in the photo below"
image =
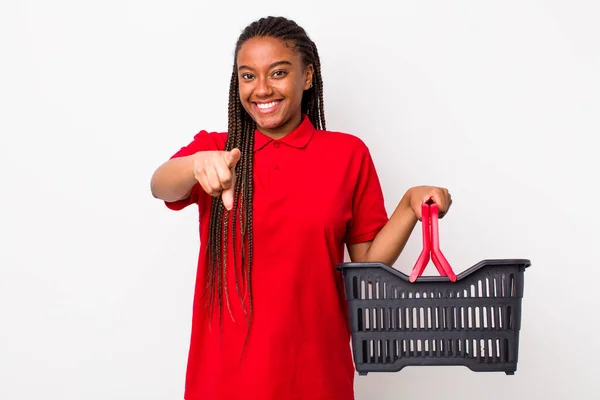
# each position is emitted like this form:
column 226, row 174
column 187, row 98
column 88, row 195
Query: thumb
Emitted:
column 232, row 157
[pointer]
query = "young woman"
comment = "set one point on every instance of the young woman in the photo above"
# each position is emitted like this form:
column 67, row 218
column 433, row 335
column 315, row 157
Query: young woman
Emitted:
column 279, row 196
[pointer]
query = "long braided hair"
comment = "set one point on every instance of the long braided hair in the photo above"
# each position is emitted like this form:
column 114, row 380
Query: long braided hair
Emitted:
column 241, row 129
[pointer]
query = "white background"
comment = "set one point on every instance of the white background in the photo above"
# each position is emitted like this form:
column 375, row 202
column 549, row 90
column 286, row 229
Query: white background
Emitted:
column 497, row 101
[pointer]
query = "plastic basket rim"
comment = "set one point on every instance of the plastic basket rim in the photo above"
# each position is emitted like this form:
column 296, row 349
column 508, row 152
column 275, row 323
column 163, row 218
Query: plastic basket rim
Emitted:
column 522, row 262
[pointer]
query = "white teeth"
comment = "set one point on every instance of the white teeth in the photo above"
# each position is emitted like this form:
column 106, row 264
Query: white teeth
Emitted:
column 267, row 105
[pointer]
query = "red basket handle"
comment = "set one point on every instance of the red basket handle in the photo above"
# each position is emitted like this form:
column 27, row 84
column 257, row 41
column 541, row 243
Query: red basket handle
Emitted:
column 425, row 255
column 431, row 245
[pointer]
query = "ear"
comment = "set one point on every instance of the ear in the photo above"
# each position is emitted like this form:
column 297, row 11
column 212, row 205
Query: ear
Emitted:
column 309, row 71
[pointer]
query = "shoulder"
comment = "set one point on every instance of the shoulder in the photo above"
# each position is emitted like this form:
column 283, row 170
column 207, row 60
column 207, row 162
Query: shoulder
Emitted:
column 210, row 140
column 203, row 141
column 343, row 140
column 347, row 150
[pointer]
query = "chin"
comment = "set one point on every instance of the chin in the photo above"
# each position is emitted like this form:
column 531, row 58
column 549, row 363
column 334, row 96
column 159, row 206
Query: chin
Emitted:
column 269, row 121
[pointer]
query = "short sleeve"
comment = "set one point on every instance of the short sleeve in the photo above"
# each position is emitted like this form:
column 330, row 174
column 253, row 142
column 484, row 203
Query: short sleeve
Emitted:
column 203, row 141
column 368, row 207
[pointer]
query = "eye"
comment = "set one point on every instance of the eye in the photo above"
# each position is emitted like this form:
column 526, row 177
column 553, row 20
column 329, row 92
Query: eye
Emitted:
column 246, row 76
column 279, row 73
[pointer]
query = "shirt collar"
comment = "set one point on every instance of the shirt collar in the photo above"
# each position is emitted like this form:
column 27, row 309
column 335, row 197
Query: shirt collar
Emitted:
column 297, row 138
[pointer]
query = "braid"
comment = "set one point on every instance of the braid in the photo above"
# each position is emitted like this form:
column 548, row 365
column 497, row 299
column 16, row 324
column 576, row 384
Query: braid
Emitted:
column 241, row 130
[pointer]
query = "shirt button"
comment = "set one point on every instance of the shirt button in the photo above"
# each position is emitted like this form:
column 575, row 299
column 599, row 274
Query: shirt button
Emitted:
column 276, row 167
column 276, row 145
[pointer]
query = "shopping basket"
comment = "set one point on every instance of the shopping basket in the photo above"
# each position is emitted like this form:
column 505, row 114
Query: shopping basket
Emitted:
column 470, row 320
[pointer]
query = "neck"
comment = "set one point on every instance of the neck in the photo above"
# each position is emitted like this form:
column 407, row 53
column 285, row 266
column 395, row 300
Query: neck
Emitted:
column 284, row 129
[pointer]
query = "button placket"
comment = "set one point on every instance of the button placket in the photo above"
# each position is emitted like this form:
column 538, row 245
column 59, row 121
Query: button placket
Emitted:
column 276, row 145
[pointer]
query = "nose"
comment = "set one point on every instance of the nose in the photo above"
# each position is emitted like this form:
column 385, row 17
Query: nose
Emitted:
column 263, row 89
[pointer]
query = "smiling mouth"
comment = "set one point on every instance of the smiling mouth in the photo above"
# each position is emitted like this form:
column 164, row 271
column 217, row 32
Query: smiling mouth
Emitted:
column 266, row 108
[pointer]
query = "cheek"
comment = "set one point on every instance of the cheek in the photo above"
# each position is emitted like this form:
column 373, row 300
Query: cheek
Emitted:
column 243, row 95
column 293, row 91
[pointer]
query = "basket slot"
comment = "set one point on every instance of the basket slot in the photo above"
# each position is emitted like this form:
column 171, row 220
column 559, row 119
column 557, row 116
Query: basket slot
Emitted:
column 417, row 318
column 507, row 285
column 466, row 318
column 430, row 322
column 513, row 289
column 398, row 319
column 483, row 317
column 495, row 356
column 496, row 286
column 360, row 321
column 365, row 289
column 362, row 289
column 491, row 348
column 495, row 350
column 498, row 317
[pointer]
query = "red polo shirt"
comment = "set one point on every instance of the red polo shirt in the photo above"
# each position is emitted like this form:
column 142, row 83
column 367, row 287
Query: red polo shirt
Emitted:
column 314, row 191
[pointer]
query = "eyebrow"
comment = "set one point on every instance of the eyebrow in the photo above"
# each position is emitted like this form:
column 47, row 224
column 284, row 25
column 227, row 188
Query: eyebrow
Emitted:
column 275, row 64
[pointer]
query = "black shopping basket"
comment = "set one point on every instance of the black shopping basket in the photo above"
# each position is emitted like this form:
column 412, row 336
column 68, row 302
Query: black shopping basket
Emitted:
column 471, row 320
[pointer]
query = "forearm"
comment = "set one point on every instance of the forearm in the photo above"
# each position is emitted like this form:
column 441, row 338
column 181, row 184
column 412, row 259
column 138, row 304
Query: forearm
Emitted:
column 391, row 239
column 174, row 179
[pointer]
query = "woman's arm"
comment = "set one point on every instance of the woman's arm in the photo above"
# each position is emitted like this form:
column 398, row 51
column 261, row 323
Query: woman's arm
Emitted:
column 174, row 179
column 213, row 170
column 387, row 246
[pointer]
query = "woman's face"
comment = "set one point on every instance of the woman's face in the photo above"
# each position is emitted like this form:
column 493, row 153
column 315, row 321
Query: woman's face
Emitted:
column 272, row 80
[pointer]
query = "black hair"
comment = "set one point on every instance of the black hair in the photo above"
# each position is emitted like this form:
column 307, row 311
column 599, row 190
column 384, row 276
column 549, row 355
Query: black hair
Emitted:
column 241, row 129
